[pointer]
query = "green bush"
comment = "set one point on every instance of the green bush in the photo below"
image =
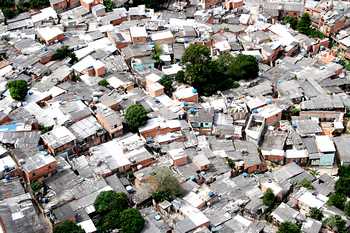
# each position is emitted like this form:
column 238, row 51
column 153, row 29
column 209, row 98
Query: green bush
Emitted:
column 109, row 200
column 131, row 221
column 135, row 116
column 288, row 227
column 316, row 214
column 68, row 226
column 103, row 83
column 18, row 89
column 269, row 198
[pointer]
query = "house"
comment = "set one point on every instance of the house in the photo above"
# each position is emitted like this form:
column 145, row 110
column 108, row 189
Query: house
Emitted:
column 206, row 4
column 59, row 5
column 138, row 35
column 91, row 66
column 201, row 120
column 342, row 144
column 201, row 161
column 186, row 94
column 308, row 200
column 255, row 128
column 326, row 152
column 50, row 35
column 110, row 120
column 59, row 140
column 284, row 213
column 88, row 133
column 38, row 166
column 88, row 4
column 272, row 147
column 162, row 37
column 19, row 214
column 178, row 156
column 157, row 126
column 121, row 155
column 233, row 4
column 98, row 10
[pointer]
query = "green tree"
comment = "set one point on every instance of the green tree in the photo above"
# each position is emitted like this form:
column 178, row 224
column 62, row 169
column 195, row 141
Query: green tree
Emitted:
column 288, row 227
column 306, row 184
column 167, row 83
column 131, row 221
column 304, row 24
column 110, row 200
column 18, row 89
column 36, row 186
column 269, row 198
column 196, row 54
column 168, row 187
column 209, row 76
column 347, row 209
column 109, row 4
column 180, row 76
column 336, row 223
column 103, row 83
column 64, row 52
column 292, row 21
column 135, row 116
column 316, row 214
column 68, row 226
column 109, row 221
column 160, row 196
column 244, row 67
column 338, row 200
column 156, row 53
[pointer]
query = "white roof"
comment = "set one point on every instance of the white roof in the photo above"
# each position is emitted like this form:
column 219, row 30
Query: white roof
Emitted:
column 7, row 161
column 161, row 35
column 185, row 93
column 285, row 37
column 294, row 154
column 138, row 32
column 57, row 137
column 276, row 188
column 345, row 41
column 171, row 69
column 87, row 62
column 312, row 201
column 88, row 226
column 325, row 144
column 44, row 14
column 269, row 110
column 48, row 33
column 5, row 70
column 194, row 214
column 115, row 82
column 152, row 77
column 194, row 199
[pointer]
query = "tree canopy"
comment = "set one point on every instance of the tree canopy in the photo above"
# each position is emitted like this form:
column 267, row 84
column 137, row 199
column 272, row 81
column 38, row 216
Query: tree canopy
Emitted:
column 64, row 52
column 135, row 116
column 167, row 83
column 110, row 200
column 292, row 21
column 288, row 227
column 109, row 4
column 347, row 209
column 131, row 221
column 209, row 76
column 269, row 198
column 304, row 27
column 337, row 199
column 316, row 214
column 168, row 187
column 109, row 221
column 68, row 226
column 18, row 89
column 336, row 223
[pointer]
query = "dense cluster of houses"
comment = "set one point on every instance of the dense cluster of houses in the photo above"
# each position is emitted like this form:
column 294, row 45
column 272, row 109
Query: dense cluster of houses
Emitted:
column 226, row 150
